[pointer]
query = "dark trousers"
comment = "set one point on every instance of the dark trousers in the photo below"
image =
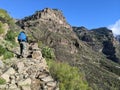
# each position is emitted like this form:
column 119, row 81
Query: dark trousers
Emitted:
column 23, row 49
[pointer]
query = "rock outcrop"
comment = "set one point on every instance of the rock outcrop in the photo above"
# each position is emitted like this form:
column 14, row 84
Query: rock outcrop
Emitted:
column 53, row 16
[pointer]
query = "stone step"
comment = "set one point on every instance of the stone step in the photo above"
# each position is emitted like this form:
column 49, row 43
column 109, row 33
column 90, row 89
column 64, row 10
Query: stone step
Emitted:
column 47, row 79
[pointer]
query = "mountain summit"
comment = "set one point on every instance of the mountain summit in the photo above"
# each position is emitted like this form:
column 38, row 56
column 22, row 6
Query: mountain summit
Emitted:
column 47, row 15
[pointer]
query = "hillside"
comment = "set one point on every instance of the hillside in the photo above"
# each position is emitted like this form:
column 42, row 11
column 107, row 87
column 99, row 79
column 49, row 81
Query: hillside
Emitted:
column 50, row 27
column 87, row 50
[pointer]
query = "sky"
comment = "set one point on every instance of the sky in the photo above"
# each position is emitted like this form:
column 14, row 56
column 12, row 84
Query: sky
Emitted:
column 88, row 13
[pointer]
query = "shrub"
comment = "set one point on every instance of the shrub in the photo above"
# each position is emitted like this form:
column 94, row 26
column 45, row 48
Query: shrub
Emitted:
column 2, row 50
column 30, row 37
column 40, row 44
column 2, row 81
column 4, row 17
column 8, row 55
column 69, row 77
column 1, row 28
column 47, row 52
column 10, row 36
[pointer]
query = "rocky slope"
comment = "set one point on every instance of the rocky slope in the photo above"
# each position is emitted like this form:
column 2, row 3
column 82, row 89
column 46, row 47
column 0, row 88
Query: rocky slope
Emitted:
column 84, row 50
column 27, row 73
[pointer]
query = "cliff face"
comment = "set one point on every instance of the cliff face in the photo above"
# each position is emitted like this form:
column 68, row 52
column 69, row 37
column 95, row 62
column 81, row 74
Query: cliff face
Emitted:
column 88, row 50
column 101, row 40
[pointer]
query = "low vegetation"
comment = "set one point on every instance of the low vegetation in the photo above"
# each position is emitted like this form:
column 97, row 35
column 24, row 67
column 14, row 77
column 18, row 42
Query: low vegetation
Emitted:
column 2, row 81
column 10, row 36
column 47, row 52
column 4, row 17
column 70, row 78
column 1, row 28
column 5, row 53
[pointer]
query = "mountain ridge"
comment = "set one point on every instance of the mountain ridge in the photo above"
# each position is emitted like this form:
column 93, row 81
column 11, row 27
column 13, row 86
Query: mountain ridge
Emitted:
column 101, row 40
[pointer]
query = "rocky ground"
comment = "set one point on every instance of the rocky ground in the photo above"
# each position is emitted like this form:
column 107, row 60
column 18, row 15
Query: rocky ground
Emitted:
column 27, row 73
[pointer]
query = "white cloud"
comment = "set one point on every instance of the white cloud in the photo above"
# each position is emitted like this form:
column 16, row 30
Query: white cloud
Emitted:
column 115, row 27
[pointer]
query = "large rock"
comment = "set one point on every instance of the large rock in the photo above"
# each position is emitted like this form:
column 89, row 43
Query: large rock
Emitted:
column 2, row 87
column 10, row 71
column 6, row 77
column 37, row 55
column 24, row 82
column 47, row 79
column 13, row 87
column 1, row 64
column 34, row 46
column 51, row 84
column 27, row 87
column 20, row 66
column 7, row 74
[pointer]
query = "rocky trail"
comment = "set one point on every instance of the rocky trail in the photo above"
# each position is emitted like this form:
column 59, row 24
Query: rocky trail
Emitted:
column 27, row 73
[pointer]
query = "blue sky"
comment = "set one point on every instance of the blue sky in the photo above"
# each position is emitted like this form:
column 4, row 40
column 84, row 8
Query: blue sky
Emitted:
column 88, row 13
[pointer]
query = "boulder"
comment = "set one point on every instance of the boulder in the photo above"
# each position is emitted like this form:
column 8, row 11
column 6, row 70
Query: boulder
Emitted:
column 20, row 66
column 47, row 79
column 25, row 82
column 27, row 87
column 7, row 74
column 1, row 64
column 37, row 55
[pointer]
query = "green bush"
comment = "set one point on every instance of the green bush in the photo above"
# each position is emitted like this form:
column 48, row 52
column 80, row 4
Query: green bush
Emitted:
column 2, row 50
column 4, row 17
column 2, row 81
column 40, row 44
column 6, row 54
column 1, row 28
column 69, row 77
column 10, row 36
column 47, row 52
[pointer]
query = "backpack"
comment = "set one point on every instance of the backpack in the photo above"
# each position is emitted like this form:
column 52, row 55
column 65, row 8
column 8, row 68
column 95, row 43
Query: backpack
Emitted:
column 22, row 37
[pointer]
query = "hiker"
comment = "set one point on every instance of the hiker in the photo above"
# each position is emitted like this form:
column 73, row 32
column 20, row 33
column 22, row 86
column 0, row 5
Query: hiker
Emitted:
column 22, row 38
